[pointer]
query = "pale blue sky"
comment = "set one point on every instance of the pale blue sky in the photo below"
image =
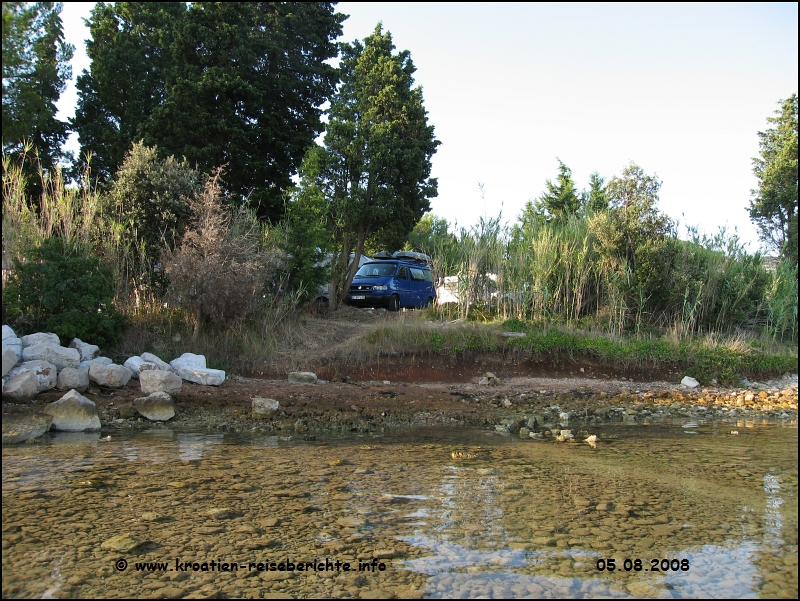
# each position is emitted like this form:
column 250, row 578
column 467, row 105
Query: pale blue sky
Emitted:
column 680, row 89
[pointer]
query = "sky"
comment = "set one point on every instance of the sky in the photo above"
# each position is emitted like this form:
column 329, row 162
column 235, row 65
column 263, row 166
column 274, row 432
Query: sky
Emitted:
column 682, row 90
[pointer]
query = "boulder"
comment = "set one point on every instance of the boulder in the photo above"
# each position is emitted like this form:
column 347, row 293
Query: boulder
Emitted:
column 98, row 360
column 45, row 373
column 110, row 376
column 137, row 364
column 151, row 358
column 9, row 360
column 87, row 351
column 188, row 360
column 73, row 412
column 206, row 377
column 15, row 344
column 160, row 381
column 264, row 408
column 20, row 428
column 59, row 356
column 157, row 407
column 8, row 333
column 302, row 377
column 39, row 338
column 74, row 377
column 690, row 382
column 22, row 387
column 489, row 379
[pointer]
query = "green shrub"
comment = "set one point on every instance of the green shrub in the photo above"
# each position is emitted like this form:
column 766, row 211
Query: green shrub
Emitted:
column 68, row 295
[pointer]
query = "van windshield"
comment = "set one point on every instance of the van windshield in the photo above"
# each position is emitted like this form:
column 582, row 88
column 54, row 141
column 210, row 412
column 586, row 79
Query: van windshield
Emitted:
column 376, row 270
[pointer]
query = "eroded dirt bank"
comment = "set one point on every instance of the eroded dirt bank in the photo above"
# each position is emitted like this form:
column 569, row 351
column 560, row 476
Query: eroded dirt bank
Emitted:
column 417, row 391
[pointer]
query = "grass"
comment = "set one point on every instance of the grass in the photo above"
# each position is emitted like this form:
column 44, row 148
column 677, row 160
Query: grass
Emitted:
column 282, row 339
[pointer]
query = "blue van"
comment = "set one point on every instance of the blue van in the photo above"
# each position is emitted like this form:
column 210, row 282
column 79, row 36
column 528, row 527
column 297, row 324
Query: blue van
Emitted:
column 405, row 280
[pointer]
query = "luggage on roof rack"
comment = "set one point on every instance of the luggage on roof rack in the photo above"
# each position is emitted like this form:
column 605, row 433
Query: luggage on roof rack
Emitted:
column 405, row 255
column 408, row 255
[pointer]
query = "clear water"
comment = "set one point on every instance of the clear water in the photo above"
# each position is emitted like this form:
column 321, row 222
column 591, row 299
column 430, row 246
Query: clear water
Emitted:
column 520, row 519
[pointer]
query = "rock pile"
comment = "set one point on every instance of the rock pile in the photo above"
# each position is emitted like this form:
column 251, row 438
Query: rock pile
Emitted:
column 38, row 362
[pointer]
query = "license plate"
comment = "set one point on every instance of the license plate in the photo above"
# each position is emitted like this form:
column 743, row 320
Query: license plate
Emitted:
column 361, row 297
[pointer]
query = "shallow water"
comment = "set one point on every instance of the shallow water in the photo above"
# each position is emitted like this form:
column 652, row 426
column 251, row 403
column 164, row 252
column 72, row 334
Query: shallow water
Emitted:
column 714, row 512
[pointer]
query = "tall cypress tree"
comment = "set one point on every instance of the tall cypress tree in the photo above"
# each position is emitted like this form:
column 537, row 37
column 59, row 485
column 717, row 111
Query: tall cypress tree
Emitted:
column 35, row 73
column 238, row 84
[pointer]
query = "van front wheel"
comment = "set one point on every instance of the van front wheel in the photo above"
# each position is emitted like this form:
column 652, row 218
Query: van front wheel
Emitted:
column 394, row 303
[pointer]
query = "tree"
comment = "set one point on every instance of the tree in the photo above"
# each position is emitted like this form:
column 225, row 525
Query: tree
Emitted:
column 632, row 234
column 219, row 267
column 773, row 208
column 378, row 149
column 35, row 73
column 61, row 292
column 147, row 208
column 131, row 52
column 557, row 205
column 307, row 235
column 237, row 84
column 596, row 198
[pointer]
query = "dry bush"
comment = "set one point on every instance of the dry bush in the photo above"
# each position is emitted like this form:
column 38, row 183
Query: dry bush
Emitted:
column 218, row 270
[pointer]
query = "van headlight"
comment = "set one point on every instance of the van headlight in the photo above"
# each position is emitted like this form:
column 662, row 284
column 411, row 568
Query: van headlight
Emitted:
column 380, row 287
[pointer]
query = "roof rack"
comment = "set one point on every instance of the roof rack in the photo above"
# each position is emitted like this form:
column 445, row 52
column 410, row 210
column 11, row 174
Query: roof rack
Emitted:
column 405, row 255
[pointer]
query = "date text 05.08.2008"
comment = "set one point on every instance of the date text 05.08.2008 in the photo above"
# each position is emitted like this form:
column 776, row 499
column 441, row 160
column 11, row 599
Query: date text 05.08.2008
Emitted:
column 639, row 565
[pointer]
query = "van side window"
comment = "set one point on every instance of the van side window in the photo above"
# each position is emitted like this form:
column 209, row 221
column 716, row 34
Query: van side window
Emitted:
column 403, row 273
column 417, row 275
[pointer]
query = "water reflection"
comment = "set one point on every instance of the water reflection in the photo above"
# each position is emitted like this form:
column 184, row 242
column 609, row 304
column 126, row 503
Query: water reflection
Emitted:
column 453, row 514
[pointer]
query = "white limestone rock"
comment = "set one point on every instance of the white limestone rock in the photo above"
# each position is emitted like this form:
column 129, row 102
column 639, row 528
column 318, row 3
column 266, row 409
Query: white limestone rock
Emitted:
column 160, row 381
column 87, row 351
column 20, row 388
column 39, row 338
column 303, row 377
column 76, row 378
column 137, row 365
column 59, row 356
column 151, row 358
column 206, row 377
column 188, row 360
column 73, row 412
column 8, row 333
column 690, row 382
column 98, row 360
column 15, row 344
column 45, row 373
column 264, row 408
column 110, row 376
column 157, row 407
column 10, row 359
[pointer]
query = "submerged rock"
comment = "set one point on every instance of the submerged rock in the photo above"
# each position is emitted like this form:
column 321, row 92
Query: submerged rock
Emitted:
column 73, row 412
column 264, row 408
column 21, row 428
column 157, row 407
column 122, row 543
